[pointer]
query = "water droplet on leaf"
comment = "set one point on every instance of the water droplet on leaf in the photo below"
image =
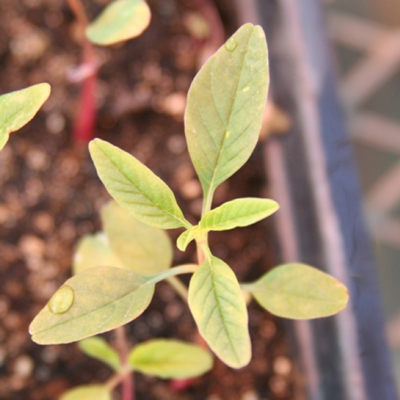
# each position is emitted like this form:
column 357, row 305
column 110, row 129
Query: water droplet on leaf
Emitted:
column 231, row 44
column 62, row 300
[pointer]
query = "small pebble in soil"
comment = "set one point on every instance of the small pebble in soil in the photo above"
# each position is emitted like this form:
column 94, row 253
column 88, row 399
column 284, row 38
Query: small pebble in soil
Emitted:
column 50, row 354
column 191, row 189
column 55, row 123
column 23, row 366
column 267, row 329
column 174, row 104
column 282, row 366
column 37, row 159
column 250, row 396
column 279, row 386
column 29, row 43
column 32, row 248
column 43, row 222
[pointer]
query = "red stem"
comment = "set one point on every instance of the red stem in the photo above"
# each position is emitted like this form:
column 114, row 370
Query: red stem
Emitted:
column 128, row 390
column 83, row 130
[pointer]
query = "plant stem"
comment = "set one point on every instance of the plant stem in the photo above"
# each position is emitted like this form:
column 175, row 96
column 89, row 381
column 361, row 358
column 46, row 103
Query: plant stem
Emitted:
column 123, row 348
column 114, row 381
column 84, row 125
column 77, row 8
column 179, row 287
column 181, row 269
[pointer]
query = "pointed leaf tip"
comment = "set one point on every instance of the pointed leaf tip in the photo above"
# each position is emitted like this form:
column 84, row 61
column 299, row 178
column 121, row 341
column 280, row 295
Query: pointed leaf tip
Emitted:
column 225, row 107
column 135, row 187
column 18, row 108
column 219, row 309
column 238, row 213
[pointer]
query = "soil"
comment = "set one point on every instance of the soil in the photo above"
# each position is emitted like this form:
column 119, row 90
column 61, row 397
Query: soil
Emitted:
column 51, row 196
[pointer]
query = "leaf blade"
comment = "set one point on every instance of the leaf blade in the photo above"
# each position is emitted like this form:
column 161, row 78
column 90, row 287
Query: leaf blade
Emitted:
column 186, row 237
column 18, row 108
column 97, row 348
column 238, row 213
column 104, row 298
column 94, row 251
column 119, row 21
column 135, row 188
column 220, row 312
column 141, row 248
column 298, row 291
column 167, row 359
column 87, row 392
column 225, row 107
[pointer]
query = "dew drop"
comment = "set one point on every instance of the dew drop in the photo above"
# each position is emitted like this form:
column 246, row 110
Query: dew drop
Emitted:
column 231, row 44
column 62, row 300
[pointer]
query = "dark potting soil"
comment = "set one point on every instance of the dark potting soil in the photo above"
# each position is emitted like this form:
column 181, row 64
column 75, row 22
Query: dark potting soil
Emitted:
column 51, row 196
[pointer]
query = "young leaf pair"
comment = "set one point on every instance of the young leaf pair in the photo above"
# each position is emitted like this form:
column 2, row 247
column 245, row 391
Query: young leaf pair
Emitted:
column 222, row 123
column 163, row 358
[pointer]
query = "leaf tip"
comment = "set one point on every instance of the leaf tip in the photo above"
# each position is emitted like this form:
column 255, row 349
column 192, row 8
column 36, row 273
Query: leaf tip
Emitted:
column 259, row 31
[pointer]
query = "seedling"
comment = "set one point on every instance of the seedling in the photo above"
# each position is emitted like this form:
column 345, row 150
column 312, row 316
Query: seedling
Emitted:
column 121, row 20
column 18, row 108
column 159, row 357
column 145, row 250
column 222, row 122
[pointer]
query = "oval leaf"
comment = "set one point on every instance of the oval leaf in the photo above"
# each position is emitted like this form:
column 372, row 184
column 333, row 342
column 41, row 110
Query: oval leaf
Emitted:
column 298, row 291
column 219, row 309
column 18, row 108
column 135, row 188
column 104, row 298
column 94, row 251
column 142, row 248
column 121, row 20
column 88, row 392
column 97, row 348
column 225, row 107
column 239, row 212
column 170, row 359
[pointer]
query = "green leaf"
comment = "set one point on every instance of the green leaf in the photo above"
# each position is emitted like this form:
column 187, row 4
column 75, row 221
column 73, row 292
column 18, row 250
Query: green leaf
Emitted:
column 298, row 291
column 88, row 392
column 225, row 107
column 141, row 248
column 135, row 188
column 18, row 108
column 96, row 347
column 170, row 359
column 103, row 299
column 94, row 251
column 186, row 237
column 219, row 309
column 239, row 212
column 121, row 20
